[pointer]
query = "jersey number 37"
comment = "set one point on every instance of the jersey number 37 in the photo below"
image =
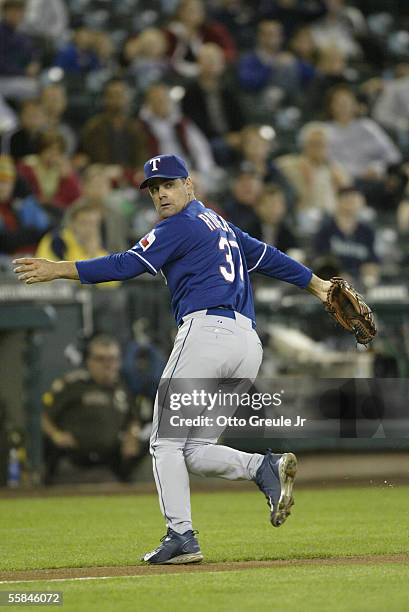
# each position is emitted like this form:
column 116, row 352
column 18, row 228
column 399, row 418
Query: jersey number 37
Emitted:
column 229, row 272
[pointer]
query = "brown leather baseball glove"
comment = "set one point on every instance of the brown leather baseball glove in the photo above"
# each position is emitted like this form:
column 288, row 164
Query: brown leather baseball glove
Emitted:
column 348, row 308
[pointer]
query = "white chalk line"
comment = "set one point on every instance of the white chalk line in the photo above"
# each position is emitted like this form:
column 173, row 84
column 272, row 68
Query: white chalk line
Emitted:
column 110, row 577
column 229, row 571
column 73, row 579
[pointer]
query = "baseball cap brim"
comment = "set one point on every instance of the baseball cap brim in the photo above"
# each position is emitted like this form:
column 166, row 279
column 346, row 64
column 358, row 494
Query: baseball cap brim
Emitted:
column 165, row 176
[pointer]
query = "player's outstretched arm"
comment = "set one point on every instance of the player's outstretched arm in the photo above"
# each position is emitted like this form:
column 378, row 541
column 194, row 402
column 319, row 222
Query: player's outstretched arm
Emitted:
column 37, row 270
column 319, row 287
column 117, row 266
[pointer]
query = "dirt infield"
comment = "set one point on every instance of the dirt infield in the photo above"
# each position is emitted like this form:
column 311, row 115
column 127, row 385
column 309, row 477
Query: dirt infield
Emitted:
column 66, row 573
column 112, row 488
column 316, row 470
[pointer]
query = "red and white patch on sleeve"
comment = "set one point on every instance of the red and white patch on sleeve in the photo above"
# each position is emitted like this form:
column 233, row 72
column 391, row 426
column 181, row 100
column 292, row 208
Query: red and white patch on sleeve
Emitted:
column 147, row 240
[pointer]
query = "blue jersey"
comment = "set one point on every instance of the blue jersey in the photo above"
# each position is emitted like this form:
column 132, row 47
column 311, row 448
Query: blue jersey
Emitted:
column 205, row 260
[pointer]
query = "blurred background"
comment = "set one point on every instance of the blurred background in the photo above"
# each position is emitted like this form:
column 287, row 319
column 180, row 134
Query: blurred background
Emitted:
column 293, row 116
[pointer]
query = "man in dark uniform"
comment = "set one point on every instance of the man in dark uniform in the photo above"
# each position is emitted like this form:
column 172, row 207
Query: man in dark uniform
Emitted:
column 89, row 416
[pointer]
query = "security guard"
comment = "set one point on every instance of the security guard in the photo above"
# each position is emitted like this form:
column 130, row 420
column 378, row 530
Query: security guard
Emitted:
column 90, row 417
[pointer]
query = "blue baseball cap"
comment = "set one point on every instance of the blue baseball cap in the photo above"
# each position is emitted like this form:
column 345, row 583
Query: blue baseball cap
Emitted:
column 164, row 166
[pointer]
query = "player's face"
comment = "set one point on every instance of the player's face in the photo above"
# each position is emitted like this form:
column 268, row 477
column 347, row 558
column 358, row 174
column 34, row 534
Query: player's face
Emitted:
column 170, row 196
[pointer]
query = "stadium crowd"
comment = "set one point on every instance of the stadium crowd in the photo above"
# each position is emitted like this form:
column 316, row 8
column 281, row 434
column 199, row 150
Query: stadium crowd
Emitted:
column 293, row 116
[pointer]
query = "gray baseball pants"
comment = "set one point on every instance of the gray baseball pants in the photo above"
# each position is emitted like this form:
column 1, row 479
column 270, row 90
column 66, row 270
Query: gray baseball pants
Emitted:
column 207, row 347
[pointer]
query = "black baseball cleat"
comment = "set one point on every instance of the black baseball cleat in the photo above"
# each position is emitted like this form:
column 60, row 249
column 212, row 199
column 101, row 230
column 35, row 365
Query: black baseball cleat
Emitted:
column 275, row 478
column 176, row 548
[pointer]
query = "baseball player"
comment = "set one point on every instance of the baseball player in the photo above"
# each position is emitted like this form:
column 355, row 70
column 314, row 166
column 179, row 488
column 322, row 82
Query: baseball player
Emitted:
column 206, row 263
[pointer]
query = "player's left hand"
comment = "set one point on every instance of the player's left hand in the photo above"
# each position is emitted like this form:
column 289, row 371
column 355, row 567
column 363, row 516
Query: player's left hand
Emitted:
column 319, row 288
column 349, row 309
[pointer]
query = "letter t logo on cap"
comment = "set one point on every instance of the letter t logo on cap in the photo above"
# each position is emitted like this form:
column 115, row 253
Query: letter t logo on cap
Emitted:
column 154, row 161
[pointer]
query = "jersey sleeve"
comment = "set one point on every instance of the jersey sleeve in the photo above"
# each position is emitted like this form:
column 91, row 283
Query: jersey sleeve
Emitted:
column 268, row 260
column 169, row 240
column 118, row 266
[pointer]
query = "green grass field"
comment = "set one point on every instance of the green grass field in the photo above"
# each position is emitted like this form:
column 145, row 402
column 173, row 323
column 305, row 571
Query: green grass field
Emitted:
column 114, row 531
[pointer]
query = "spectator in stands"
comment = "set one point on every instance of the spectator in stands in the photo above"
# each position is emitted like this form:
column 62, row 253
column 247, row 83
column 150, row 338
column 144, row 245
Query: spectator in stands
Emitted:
column 54, row 102
column 113, row 136
column 239, row 18
column 105, row 51
column 359, row 144
column 142, row 368
column 213, row 104
column 392, row 106
column 145, row 58
column 240, row 207
column 90, row 417
column 188, row 31
column 303, row 47
column 268, row 66
column 314, row 177
column 22, row 220
column 108, row 65
column 19, row 58
column 80, row 237
column 271, row 210
column 203, row 193
column 25, row 139
column 48, row 19
column 115, row 208
column 49, row 173
column 341, row 25
column 256, row 146
column 331, row 70
column 78, row 57
column 291, row 13
column 167, row 130
column 348, row 239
